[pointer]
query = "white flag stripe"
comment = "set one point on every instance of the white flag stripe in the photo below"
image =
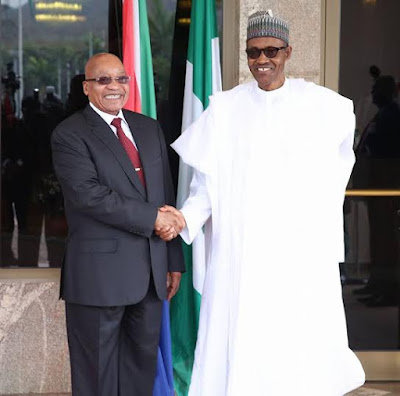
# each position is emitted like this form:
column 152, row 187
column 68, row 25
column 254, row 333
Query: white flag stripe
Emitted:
column 192, row 106
column 216, row 66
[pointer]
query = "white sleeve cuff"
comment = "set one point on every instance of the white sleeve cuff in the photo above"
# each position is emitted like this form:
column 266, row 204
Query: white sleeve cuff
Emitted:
column 196, row 209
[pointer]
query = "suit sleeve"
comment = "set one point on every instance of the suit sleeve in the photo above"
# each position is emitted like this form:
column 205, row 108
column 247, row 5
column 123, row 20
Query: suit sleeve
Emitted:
column 82, row 189
column 175, row 255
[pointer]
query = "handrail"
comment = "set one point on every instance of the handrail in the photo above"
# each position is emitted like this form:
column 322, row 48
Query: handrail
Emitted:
column 372, row 193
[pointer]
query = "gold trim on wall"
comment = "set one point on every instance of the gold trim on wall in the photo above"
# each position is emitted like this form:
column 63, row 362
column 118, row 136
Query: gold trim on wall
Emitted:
column 373, row 193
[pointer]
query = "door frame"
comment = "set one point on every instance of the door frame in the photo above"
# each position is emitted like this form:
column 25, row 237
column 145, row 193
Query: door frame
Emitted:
column 330, row 43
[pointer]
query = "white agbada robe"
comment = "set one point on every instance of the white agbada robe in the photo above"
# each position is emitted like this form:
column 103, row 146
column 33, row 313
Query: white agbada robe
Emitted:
column 272, row 168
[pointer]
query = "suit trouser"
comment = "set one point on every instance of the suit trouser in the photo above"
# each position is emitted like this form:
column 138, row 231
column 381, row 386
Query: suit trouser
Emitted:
column 113, row 350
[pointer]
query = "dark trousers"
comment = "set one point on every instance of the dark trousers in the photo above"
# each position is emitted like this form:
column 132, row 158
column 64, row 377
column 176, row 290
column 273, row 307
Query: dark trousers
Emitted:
column 113, row 350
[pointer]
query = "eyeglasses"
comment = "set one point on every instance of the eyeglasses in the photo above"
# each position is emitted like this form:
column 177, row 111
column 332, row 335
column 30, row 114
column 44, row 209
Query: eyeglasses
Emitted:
column 104, row 80
column 269, row 52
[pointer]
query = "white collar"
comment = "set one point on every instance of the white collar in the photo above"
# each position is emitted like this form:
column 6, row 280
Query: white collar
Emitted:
column 108, row 118
column 275, row 92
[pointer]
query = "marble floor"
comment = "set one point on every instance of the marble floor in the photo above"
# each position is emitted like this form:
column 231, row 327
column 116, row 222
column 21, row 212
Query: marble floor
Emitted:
column 369, row 389
column 377, row 389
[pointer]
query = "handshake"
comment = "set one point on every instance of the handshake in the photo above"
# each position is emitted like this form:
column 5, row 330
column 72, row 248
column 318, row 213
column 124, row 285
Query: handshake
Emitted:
column 169, row 223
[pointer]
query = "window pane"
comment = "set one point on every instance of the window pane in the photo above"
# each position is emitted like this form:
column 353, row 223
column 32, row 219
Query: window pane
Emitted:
column 44, row 44
column 369, row 75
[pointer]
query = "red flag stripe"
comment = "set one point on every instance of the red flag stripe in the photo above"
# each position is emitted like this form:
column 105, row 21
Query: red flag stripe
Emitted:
column 129, row 54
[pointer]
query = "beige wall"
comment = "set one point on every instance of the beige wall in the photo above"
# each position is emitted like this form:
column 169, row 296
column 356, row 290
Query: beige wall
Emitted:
column 306, row 20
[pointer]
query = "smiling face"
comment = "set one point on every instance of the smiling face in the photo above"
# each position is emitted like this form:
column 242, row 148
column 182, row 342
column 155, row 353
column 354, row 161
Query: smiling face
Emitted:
column 269, row 72
column 109, row 98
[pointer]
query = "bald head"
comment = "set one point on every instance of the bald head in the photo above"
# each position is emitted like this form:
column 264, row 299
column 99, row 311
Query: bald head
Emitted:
column 97, row 59
column 111, row 97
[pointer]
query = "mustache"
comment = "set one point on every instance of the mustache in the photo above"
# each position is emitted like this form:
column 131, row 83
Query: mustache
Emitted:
column 262, row 65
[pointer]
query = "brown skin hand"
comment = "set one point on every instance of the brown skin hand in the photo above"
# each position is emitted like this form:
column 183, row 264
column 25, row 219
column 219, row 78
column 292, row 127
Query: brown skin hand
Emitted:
column 169, row 223
column 174, row 279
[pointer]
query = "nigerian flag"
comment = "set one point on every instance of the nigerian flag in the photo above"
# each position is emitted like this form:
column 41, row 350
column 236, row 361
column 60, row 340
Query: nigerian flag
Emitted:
column 203, row 77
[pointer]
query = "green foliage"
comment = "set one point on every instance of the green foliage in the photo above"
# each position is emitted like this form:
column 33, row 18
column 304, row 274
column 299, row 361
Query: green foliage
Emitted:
column 39, row 72
column 44, row 63
column 161, row 25
column 52, row 52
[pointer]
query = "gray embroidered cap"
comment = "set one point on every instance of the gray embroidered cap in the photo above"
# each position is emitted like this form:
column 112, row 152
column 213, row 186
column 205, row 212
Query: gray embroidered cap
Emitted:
column 263, row 24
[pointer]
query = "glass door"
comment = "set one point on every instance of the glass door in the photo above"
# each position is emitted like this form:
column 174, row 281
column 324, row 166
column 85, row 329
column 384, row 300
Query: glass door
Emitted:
column 369, row 74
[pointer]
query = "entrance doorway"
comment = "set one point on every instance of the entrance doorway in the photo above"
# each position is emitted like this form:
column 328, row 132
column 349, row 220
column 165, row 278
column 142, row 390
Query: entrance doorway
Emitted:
column 369, row 74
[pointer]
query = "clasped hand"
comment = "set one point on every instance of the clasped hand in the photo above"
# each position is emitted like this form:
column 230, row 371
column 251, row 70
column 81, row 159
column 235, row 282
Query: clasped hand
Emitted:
column 169, row 223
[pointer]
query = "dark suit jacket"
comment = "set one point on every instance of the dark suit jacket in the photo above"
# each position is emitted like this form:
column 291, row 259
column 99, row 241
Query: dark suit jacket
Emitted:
column 111, row 248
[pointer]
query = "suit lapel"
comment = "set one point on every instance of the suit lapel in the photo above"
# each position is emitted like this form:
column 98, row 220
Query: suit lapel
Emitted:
column 104, row 133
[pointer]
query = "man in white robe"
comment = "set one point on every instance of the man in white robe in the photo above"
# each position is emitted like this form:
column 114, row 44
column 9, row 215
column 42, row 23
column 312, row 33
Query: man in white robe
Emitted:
column 272, row 159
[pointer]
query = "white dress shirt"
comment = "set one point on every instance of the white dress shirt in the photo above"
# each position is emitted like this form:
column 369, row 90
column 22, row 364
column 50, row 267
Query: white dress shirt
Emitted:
column 108, row 118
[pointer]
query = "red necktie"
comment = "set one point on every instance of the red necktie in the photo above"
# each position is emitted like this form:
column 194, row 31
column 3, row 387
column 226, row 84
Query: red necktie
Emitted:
column 130, row 149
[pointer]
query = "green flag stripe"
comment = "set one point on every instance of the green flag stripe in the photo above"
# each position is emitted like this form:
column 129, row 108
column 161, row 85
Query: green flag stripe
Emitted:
column 184, row 329
column 203, row 28
column 147, row 79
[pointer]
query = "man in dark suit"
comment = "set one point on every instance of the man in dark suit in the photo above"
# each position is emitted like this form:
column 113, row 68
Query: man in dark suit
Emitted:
column 115, row 269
